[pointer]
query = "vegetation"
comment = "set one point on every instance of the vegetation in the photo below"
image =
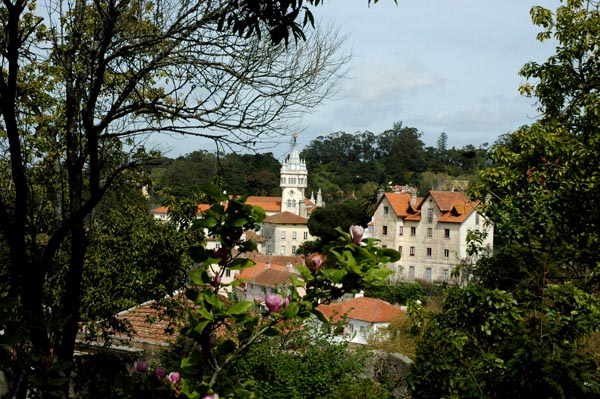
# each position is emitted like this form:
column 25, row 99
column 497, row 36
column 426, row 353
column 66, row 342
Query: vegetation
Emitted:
column 527, row 324
column 81, row 85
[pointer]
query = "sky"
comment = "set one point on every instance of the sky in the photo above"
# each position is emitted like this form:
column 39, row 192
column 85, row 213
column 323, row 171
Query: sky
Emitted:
column 437, row 65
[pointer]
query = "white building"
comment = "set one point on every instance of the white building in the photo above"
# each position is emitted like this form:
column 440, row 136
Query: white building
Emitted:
column 358, row 319
column 430, row 233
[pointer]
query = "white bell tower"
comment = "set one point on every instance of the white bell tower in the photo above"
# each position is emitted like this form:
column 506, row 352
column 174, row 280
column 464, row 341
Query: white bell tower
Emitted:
column 294, row 176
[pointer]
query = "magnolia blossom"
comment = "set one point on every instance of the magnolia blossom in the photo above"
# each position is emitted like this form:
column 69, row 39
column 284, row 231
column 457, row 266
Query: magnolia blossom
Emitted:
column 160, row 373
column 357, row 234
column 141, row 366
column 173, row 377
column 275, row 302
column 315, row 261
column 211, row 396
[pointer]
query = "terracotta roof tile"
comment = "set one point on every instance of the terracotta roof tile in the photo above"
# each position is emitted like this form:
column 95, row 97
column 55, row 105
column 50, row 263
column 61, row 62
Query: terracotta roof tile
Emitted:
column 147, row 324
column 250, row 273
column 273, row 277
column 363, row 308
column 269, row 204
column 285, row 218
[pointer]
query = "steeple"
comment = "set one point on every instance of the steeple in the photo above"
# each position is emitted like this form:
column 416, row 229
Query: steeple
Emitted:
column 294, row 179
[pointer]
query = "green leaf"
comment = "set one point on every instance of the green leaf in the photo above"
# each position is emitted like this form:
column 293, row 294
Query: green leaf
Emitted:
column 240, row 308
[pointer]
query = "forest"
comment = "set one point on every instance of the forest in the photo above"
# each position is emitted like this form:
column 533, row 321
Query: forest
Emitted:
column 342, row 165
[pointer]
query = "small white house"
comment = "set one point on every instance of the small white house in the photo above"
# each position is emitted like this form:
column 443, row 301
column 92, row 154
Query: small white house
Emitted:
column 357, row 319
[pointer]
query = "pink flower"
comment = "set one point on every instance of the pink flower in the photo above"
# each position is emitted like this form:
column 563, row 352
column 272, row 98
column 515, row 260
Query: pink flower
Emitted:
column 315, row 261
column 286, row 301
column 274, row 303
column 213, row 396
column 141, row 366
column 357, row 234
column 160, row 373
column 217, row 279
column 173, row 377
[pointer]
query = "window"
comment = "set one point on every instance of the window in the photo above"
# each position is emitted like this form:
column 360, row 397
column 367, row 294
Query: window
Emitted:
column 384, row 231
column 428, row 274
column 412, row 251
column 413, row 231
column 430, row 215
column 289, row 203
column 282, row 250
column 384, row 246
column 445, row 275
column 283, row 235
column 293, row 250
column 401, row 230
column 306, row 235
column 294, row 204
column 429, row 252
column 429, row 232
column 477, row 219
column 294, row 235
column 411, row 272
column 446, row 253
column 269, row 249
column 400, row 249
column 446, row 233
column 386, row 210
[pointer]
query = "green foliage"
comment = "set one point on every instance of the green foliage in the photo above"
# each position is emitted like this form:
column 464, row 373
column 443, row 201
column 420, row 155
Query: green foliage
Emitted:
column 306, row 367
column 324, row 220
column 486, row 344
column 224, row 330
column 400, row 293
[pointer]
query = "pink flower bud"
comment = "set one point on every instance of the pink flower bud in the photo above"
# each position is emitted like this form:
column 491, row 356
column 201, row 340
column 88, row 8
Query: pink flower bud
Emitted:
column 357, row 233
column 213, row 396
column 141, row 366
column 286, row 302
column 315, row 261
column 217, row 279
column 273, row 303
column 173, row 377
column 160, row 373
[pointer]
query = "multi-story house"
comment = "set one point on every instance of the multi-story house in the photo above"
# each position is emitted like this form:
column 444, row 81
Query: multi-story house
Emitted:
column 283, row 233
column 430, row 232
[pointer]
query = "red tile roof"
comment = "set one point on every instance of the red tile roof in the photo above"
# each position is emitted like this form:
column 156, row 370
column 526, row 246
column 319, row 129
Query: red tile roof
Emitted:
column 285, row 218
column 269, row 204
column 147, row 325
column 273, row 278
column 250, row 273
column 363, row 308
column 455, row 205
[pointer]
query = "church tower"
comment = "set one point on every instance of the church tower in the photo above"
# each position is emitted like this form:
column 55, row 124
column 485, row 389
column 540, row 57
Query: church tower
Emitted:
column 294, row 176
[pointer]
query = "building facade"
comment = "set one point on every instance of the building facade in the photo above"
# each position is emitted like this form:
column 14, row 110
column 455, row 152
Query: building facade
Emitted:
column 430, row 232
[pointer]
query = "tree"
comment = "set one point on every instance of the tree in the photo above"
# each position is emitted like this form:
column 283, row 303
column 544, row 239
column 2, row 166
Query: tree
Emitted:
column 76, row 90
column 323, row 221
column 529, row 318
column 402, row 152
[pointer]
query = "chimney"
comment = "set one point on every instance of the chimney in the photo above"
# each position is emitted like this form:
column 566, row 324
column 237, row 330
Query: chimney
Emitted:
column 413, row 197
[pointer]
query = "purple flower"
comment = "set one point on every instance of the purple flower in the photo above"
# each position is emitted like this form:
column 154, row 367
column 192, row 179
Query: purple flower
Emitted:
column 274, row 303
column 315, row 261
column 217, row 279
column 173, row 377
column 160, row 373
column 357, row 234
column 286, row 301
column 141, row 366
